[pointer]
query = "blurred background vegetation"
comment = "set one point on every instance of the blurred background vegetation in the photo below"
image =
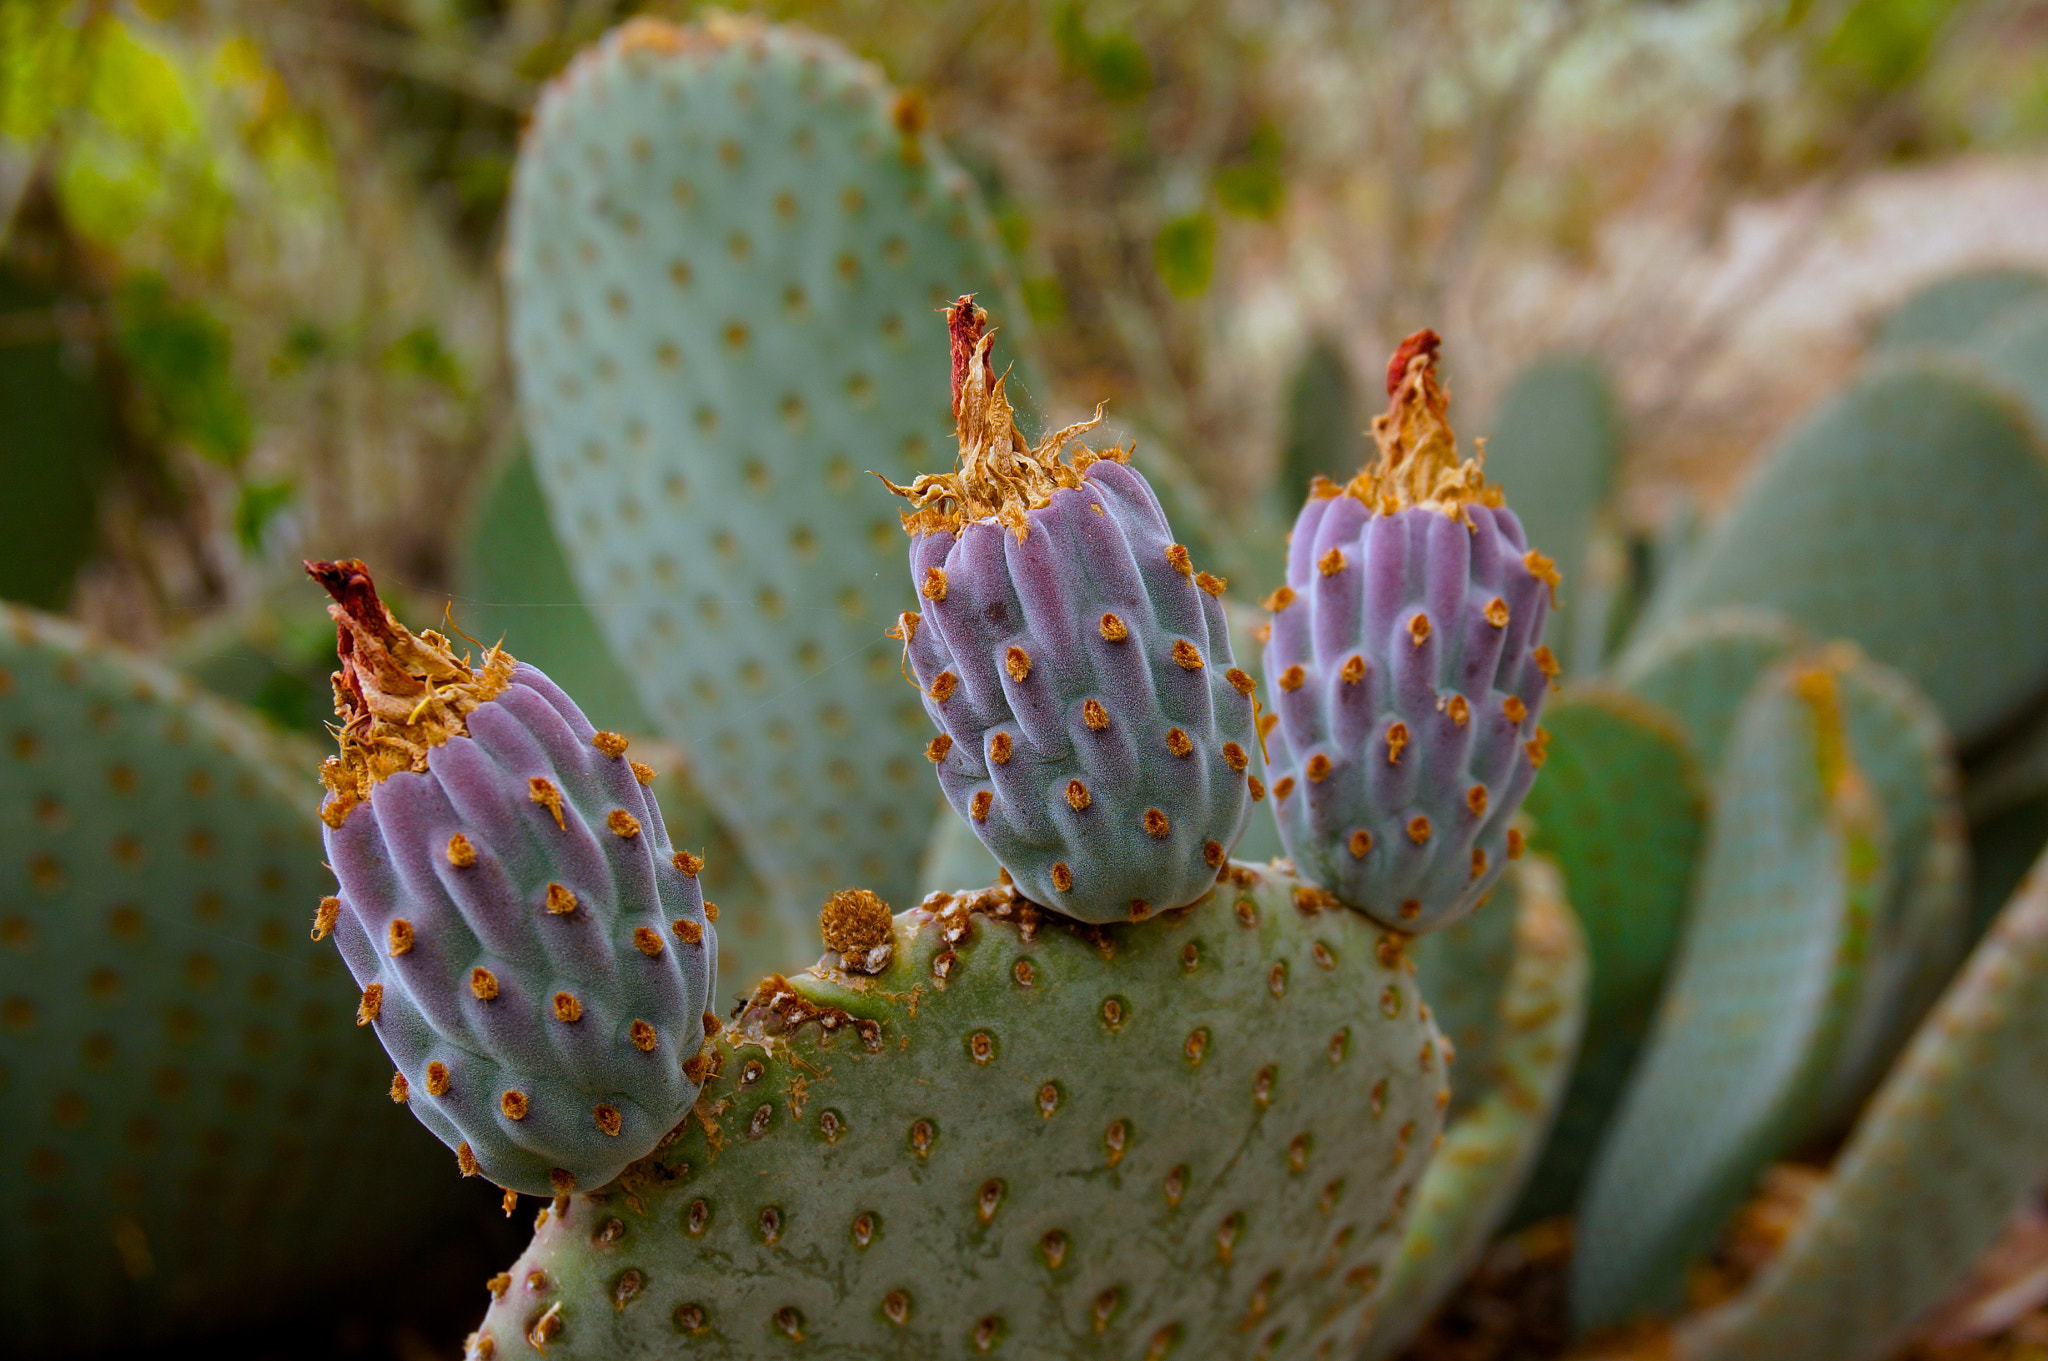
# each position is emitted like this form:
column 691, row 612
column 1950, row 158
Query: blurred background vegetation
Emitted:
column 249, row 311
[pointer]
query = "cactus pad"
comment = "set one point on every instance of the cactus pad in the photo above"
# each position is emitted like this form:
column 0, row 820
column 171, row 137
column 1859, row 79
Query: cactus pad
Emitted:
column 1762, row 993
column 1408, row 668
column 532, row 953
column 515, row 584
column 1472, row 1181
column 194, row 1136
column 1620, row 810
column 723, row 240
column 1922, row 929
column 1193, row 1136
column 1555, row 452
column 1952, row 1144
column 1464, row 972
column 1907, row 516
column 1700, row 671
column 1960, row 308
column 1094, row 730
column 2015, row 353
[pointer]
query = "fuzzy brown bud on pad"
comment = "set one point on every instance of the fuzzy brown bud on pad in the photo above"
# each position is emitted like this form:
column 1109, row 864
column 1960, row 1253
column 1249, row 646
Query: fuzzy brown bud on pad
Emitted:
column 854, row 919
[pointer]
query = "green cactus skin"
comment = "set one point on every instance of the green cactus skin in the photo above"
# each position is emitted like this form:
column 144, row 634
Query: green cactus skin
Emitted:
column 1464, row 971
column 1701, row 670
column 1763, row 990
column 196, row 1134
column 1193, row 1136
column 1953, row 1143
column 1555, row 450
column 1960, row 308
column 1922, row 932
column 1322, row 420
column 1620, row 809
column 2015, row 353
column 1907, row 515
column 1472, row 1182
column 723, row 255
column 513, row 584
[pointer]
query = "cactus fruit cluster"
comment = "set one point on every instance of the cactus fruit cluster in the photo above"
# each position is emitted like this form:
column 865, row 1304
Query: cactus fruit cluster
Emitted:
column 532, row 953
column 1408, row 665
column 1137, row 1097
column 1094, row 730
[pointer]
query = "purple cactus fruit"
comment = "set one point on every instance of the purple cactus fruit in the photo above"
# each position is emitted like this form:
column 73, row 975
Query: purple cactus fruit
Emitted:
column 532, row 953
column 1408, row 668
column 1093, row 729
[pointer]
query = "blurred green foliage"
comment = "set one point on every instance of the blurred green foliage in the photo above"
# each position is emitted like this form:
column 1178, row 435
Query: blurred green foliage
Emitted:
column 55, row 455
column 1185, row 254
column 181, row 358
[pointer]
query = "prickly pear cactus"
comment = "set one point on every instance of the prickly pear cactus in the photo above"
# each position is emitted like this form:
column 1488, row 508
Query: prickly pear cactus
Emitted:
column 1094, row 730
column 1620, row 810
column 723, row 242
column 1473, row 1180
column 195, row 1134
column 1907, row 516
column 1921, row 932
column 1554, row 454
column 1194, row 1136
column 1961, row 307
column 2015, row 353
column 1700, row 671
column 514, row 583
column 1952, row 1144
column 1463, row 970
column 1763, row 992
column 1407, row 658
column 533, row 954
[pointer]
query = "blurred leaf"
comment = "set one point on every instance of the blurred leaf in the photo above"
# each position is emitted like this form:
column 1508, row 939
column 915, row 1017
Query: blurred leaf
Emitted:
column 42, row 66
column 1253, row 185
column 1882, row 45
column 1113, row 62
column 483, row 181
column 1184, row 253
column 303, row 344
column 1044, row 299
column 420, row 352
column 256, row 507
column 180, row 358
column 1015, row 228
